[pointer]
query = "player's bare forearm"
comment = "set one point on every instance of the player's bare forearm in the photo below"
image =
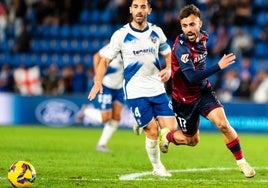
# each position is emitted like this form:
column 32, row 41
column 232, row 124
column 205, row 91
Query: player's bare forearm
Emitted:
column 99, row 74
column 166, row 72
column 226, row 60
column 96, row 61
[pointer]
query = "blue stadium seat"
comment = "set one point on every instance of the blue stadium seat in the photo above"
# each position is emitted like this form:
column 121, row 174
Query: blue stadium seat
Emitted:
column 76, row 31
column 93, row 30
column 106, row 16
column 260, row 3
column 55, row 45
column 84, row 16
column 10, row 31
column 33, row 58
column 35, row 46
column 66, row 59
column 65, row 46
column 104, row 31
column 76, row 58
column 43, row 31
column 44, row 59
column 65, row 31
column 88, row 60
column 94, row 16
column 54, row 31
column 85, row 31
column 262, row 18
column 4, row 58
column 255, row 32
column 74, row 46
column 260, row 49
column 4, row 46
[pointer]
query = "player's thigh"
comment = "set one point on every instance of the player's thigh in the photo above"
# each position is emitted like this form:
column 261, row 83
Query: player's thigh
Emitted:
column 162, row 106
column 151, row 130
column 168, row 121
column 217, row 116
column 117, row 110
column 106, row 115
column 163, row 112
column 208, row 103
column 187, row 117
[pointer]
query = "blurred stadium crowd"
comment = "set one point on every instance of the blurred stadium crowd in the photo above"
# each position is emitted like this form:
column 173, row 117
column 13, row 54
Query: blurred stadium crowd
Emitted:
column 49, row 44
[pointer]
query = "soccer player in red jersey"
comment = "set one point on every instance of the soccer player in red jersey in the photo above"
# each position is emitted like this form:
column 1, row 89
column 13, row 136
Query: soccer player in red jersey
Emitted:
column 192, row 94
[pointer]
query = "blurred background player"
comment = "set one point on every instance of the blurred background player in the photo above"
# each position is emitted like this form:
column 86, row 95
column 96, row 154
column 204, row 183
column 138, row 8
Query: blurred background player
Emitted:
column 110, row 101
column 140, row 42
column 192, row 94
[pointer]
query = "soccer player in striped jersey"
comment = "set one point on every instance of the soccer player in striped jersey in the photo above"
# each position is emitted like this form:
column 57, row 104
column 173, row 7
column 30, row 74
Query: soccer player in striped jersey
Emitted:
column 139, row 43
column 192, row 94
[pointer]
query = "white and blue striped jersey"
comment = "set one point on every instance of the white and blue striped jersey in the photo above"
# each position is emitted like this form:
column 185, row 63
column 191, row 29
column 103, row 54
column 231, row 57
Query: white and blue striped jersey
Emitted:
column 140, row 53
column 113, row 78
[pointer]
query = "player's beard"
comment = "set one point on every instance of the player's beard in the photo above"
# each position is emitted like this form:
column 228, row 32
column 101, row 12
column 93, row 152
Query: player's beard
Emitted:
column 139, row 19
column 192, row 37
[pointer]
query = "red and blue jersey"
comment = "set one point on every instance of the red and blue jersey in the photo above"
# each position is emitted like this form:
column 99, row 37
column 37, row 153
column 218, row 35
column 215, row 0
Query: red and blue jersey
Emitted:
column 189, row 73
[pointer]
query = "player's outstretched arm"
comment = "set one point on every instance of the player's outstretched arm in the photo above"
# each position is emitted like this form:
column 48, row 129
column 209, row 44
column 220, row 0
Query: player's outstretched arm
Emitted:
column 226, row 60
column 99, row 74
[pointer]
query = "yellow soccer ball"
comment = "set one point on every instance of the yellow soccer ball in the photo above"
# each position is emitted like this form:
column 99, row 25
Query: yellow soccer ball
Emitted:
column 21, row 174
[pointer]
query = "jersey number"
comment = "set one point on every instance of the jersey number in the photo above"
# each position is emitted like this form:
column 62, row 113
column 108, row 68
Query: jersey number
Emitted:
column 182, row 123
column 137, row 112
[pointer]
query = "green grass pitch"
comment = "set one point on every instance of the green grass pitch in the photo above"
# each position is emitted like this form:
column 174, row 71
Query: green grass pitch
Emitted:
column 66, row 158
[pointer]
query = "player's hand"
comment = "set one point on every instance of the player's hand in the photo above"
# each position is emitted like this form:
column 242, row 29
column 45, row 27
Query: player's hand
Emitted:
column 226, row 60
column 165, row 74
column 97, row 87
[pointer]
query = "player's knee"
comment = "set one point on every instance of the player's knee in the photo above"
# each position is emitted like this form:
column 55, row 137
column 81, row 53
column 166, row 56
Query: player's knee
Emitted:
column 105, row 120
column 223, row 126
column 117, row 117
column 151, row 133
column 193, row 141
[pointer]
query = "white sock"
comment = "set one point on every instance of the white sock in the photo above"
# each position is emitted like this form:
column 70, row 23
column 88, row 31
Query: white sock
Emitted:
column 153, row 152
column 109, row 128
column 243, row 160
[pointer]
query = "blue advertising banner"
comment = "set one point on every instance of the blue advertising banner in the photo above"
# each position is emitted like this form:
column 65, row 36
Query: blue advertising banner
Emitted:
column 244, row 116
column 64, row 111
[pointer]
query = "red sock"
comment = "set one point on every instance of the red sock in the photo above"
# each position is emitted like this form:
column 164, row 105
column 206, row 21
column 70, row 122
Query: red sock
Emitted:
column 235, row 148
column 170, row 137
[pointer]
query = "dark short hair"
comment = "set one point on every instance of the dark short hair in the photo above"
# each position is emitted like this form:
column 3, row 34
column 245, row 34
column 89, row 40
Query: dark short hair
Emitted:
column 149, row 2
column 188, row 10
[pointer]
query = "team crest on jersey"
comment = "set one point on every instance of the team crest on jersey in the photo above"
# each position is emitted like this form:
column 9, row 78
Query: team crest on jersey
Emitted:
column 185, row 58
column 153, row 39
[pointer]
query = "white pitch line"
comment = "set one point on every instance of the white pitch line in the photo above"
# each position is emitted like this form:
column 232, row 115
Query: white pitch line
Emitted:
column 137, row 176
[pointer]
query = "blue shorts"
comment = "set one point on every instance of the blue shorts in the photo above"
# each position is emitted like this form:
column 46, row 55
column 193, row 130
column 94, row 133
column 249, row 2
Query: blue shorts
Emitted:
column 188, row 115
column 106, row 99
column 145, row 109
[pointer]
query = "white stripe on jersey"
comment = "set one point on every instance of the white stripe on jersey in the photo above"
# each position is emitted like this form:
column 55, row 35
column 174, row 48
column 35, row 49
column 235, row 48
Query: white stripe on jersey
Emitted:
column 140, row 52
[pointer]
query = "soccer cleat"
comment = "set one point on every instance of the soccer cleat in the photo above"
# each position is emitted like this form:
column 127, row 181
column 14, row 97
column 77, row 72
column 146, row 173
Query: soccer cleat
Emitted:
column 102, row 148
column 246, row 169
column 163, row 142
column 162, row 172
column 136, row 129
